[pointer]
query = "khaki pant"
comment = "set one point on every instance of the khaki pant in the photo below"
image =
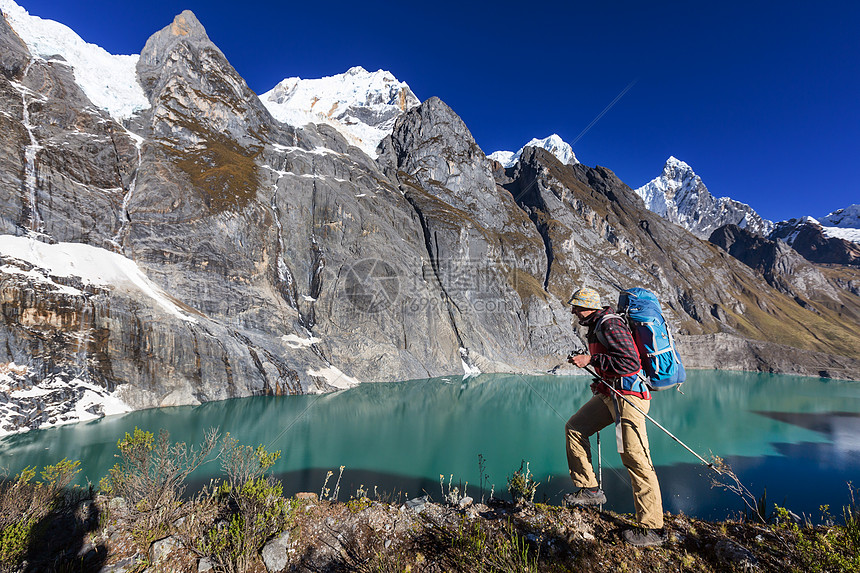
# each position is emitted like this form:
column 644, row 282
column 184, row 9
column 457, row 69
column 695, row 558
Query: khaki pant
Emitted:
column 595, row 415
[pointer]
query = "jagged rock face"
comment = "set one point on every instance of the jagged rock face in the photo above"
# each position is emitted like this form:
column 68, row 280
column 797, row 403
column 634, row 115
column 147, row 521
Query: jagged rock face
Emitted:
column 782, row 267
column 596, row 233
column 483, row 249
column 14, row 54
column 251, row 224
column 808, row 239
column 680, row 196
column 282, row 218
column 198, row 98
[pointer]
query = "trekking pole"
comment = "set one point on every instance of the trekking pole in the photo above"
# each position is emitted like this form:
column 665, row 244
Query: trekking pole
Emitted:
column 656, row 423
column 599, row 463
column 599, row 467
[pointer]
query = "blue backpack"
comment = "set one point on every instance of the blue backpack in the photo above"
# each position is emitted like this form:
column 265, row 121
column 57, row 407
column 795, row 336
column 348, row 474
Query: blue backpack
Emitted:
column 660, row 360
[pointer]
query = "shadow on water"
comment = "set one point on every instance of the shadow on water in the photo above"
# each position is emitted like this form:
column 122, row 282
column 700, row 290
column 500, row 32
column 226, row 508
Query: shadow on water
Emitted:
column 828, row 423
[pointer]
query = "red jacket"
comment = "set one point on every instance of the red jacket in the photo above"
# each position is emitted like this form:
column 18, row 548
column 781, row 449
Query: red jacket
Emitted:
column 617, row 361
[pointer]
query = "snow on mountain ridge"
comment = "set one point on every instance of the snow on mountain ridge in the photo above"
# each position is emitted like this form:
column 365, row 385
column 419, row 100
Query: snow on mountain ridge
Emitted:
column 847, row 218
column 361, row 105
column 552, row 143
column 680, row 196
column 108, row 80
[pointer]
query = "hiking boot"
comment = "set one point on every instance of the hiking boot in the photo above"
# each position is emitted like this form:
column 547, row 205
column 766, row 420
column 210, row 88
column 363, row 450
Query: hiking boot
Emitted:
column 584, row 496
column 641, row 537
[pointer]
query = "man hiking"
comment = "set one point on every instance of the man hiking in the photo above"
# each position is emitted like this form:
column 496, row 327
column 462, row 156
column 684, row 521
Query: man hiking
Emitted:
column 612, row 354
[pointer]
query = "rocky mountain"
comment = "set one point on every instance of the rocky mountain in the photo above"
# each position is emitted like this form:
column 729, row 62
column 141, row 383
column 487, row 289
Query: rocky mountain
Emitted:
column 552, row 143
column 820, row 244
column 780, row 265
column 680, row 196
column 197, row 248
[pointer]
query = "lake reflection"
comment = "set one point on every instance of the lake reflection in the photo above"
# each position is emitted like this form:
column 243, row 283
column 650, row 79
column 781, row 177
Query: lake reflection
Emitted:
column 798, row 437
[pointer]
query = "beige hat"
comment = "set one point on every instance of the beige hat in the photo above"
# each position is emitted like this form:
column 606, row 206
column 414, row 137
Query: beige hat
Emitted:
column 586, row 298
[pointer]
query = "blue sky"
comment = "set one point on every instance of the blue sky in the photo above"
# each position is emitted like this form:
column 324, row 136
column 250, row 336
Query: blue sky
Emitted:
column 760, row 98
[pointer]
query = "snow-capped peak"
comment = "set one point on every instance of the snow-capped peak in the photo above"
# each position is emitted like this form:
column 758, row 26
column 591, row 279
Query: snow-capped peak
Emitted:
column 847, row 218
column 109, row 81
column 553, row 143
column 675, row 165
column 840, row 224
column 680, row 196
column 362, row 105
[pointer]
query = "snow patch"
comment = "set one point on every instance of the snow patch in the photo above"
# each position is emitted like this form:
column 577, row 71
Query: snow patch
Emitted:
column 469, row 369
column 850, row 235
column 109, row 81
column 62, row 398
column 294, row 341
column 334, row 377
column 506, row 158
column 92, row 265
column 842, row 224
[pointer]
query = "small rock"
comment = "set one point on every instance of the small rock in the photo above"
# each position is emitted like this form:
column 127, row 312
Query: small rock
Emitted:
column 465, row 502
column 735, row 553
column 587, row 536
column 417, row 504
column 204, row 565
column 387, row 543
column 307, row 496
column 117, row 504
column 275, row 553
column 120, row 566
column 162, row 548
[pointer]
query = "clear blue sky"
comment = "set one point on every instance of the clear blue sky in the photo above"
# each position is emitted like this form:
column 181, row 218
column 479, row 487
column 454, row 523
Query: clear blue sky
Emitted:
column 762, row 99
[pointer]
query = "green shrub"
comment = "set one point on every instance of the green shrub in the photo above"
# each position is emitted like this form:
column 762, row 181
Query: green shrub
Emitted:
column 824, row 549
column 253, row 508
column 151, row 476
column 521, row 485
column 25, row 507
column 473, row 546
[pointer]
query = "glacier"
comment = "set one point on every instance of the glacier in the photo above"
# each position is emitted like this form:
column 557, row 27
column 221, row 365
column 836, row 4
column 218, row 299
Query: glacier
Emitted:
column 109, row 81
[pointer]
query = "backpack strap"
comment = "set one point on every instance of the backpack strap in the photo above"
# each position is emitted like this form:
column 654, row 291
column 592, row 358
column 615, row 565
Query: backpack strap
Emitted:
column 598, row 331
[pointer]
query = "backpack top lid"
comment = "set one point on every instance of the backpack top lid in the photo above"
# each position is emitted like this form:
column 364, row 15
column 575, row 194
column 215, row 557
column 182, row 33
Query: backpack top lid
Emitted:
column 640, row 305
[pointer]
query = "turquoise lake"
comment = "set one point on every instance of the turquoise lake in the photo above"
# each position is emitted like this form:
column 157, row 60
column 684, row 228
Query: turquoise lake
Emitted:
column 797, row 437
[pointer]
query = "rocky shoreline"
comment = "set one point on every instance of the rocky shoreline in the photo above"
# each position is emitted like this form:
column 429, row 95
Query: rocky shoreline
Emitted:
column 423, row 536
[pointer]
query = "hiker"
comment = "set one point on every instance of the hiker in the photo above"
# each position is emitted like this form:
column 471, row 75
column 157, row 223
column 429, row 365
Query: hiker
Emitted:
column 613, row 354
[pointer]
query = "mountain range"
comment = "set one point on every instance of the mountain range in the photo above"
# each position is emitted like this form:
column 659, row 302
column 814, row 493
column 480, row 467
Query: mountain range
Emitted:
column 168, row 237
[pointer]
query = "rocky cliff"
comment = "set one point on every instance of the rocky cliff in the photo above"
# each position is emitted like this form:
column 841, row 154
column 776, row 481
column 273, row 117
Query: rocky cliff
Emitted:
column 199, row 249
